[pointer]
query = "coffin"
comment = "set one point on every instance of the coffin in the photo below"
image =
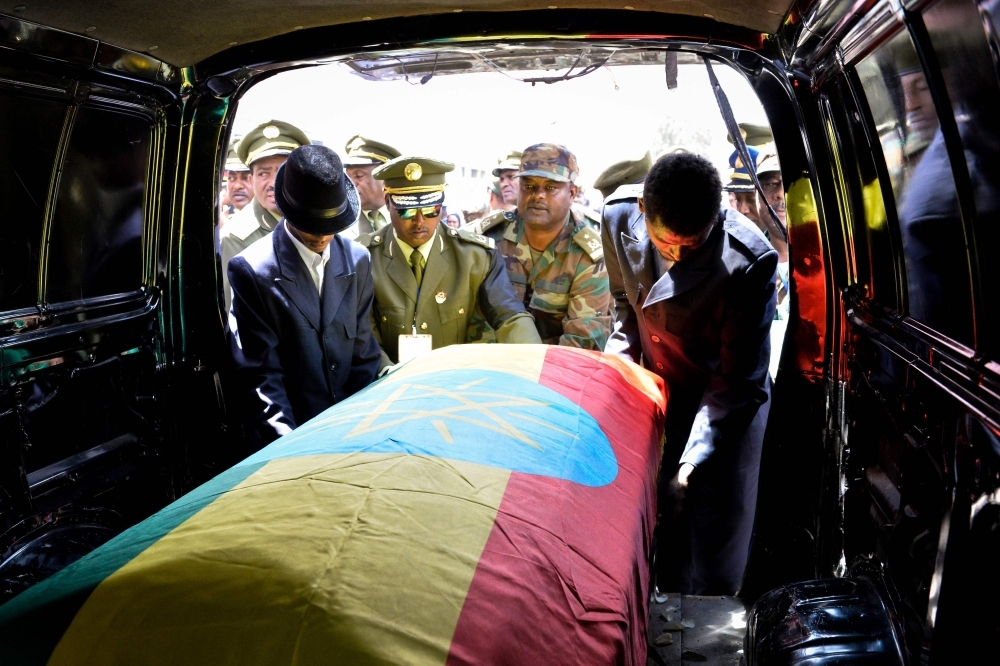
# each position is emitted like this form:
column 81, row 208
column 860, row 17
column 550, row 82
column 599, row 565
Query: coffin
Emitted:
column 485, row 504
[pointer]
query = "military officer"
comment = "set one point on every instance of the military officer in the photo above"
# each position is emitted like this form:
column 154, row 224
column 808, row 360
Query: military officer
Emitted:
column 429, row 279
column 364, row 156
column 506, row 173
column 264, row 149
column 238, row 182
column 626, row 172
column 553, row 253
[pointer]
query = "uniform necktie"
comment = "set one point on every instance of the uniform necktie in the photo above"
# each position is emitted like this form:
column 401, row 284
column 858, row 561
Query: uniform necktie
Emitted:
column 417, row 262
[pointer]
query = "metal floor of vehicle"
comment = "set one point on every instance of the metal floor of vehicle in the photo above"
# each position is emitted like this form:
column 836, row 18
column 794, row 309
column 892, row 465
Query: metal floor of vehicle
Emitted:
column 710, row 631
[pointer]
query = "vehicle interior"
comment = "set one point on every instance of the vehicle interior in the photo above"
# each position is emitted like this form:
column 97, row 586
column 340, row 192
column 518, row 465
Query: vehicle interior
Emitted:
column 878, row 518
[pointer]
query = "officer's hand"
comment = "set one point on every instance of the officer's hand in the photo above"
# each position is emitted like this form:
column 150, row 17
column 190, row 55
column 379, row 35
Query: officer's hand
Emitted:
column 678, row 485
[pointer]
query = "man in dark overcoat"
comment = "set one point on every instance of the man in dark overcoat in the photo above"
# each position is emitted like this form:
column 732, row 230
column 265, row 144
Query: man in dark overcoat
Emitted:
column 301, row 334
column 694, row 297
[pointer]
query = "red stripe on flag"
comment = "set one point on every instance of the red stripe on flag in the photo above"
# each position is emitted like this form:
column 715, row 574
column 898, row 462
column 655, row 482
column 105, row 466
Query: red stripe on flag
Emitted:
column 563, row 578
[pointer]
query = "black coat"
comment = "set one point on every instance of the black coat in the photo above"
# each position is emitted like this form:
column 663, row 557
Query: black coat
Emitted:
column 301, row 355
column 705, row 328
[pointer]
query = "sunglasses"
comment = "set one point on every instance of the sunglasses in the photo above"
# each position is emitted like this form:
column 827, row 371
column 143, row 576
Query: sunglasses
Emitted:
column 428, row 212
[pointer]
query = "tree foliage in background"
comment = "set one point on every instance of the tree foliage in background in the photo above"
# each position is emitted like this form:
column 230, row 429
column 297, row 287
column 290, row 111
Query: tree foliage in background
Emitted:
column 695, row 136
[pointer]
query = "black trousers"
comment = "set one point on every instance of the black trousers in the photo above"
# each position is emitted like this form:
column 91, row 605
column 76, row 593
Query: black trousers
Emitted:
column 704, row 548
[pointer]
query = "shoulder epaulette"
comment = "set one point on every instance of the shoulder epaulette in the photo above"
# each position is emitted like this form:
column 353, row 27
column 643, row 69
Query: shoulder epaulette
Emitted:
column 588, row 239
column 747, row 233
column 491, row 221
column 242, row 226
column 367, row 240
column 588, row 215
column 624, row 193
column 470, row 237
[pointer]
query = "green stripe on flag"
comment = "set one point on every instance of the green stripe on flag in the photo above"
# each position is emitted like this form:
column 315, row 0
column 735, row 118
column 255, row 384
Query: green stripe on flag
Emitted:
column 32, row 623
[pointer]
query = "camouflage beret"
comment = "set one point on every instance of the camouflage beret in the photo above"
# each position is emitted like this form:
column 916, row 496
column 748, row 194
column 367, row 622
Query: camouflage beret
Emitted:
column 549, row 160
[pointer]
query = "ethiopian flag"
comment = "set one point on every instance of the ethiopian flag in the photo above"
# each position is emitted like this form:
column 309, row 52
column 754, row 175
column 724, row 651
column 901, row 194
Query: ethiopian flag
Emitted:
column 485, row 504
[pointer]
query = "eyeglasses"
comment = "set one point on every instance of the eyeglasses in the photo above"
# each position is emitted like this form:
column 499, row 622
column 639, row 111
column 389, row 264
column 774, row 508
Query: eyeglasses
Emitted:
column 429, row 212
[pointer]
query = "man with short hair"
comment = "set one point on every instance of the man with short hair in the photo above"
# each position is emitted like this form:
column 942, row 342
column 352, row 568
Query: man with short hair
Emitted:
column 506, row 174
column 264, row 149
column 769, row 177
column 740, row 188
column 238, row 181
column 495, row 194
column 430, row 279
column 553, row 253
column 300, row 325
column 694, row 291
column 363, row 157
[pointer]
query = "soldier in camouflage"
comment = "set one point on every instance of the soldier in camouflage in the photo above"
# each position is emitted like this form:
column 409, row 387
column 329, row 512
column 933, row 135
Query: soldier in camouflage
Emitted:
column 553, row 254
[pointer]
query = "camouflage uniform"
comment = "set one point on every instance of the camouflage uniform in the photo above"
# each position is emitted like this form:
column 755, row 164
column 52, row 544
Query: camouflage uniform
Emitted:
column 566, row 291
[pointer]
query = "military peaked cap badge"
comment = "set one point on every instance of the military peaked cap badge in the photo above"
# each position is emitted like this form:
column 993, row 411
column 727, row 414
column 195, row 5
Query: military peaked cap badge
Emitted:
column 413, row 171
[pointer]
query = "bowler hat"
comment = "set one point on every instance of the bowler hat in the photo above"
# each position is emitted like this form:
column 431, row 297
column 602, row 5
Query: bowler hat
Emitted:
column 314, row 194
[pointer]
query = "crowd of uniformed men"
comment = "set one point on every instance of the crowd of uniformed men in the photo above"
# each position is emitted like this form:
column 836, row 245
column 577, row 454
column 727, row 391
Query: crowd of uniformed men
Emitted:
column 339, row 267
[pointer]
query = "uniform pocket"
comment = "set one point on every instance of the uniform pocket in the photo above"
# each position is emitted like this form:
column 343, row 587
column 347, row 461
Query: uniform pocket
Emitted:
column 550, row 296
column 452, row 311
column 392, row 319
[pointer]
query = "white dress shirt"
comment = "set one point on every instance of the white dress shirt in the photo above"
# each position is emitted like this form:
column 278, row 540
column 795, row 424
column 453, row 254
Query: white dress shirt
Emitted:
column 315, row 263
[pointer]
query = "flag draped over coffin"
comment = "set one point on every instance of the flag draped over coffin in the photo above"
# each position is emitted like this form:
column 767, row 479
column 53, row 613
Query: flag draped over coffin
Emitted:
column 485, row 504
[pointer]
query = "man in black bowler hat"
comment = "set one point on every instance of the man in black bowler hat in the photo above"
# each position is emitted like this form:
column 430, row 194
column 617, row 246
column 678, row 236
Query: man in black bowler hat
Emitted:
column 301, row 334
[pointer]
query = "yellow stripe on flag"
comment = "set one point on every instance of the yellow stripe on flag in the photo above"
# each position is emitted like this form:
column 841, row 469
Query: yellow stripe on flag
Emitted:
column 336, row 559
column 527, row 363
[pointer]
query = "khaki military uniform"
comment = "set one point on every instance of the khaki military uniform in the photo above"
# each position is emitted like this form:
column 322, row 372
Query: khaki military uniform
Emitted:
column 565, row 289
column 463, row 273
column 244, row 229
column 369, row 221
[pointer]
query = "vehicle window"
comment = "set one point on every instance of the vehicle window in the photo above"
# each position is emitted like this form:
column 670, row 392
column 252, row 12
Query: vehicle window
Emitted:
column 29, row 136
column 956, row 28
column 930, row 222
column 95, row 243
column 875, row 251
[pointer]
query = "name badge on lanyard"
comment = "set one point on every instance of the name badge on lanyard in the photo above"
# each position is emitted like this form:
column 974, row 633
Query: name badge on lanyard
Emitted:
column 413, row 346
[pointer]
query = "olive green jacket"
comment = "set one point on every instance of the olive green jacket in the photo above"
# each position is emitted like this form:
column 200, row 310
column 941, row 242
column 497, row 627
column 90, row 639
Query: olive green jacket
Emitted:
column 463, row 272
column 243, row 230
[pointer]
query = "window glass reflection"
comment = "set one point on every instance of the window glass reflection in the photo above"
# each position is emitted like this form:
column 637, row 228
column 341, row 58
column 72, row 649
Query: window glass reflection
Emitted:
column 937, row 267
column 29, row 134
column 95, row 245
column 961, row 32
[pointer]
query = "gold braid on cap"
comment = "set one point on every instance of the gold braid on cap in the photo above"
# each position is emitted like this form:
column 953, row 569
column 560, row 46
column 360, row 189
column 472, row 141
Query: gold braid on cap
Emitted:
column 270, row 145
column 373, row 156
column 414, row 189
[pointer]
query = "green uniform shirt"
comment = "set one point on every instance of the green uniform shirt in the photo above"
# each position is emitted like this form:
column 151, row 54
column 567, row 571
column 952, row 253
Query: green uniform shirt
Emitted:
column 565, row 288
column 463, row 273
column 244, row 229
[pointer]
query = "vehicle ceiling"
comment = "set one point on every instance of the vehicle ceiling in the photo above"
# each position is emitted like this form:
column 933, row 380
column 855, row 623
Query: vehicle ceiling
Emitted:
column 185, row 32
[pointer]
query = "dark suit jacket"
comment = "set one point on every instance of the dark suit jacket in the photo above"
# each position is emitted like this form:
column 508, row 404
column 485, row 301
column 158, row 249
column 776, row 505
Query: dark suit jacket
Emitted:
column 299, row 354
column 703, row 326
